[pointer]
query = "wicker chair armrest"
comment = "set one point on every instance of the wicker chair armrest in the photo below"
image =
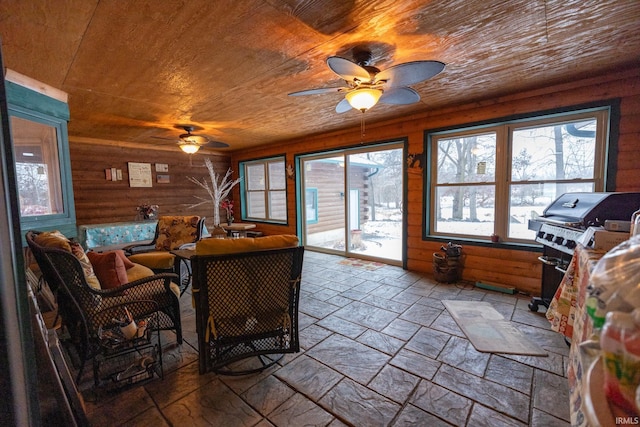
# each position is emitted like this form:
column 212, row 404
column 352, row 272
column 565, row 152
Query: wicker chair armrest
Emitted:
column 149, row 283
column 137, row 248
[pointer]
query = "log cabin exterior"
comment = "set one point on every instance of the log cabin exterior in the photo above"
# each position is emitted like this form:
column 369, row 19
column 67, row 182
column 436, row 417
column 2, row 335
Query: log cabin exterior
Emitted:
column 329, row 195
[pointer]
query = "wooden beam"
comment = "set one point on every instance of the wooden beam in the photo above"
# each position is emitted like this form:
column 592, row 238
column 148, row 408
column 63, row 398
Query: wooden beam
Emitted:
column 33, row 84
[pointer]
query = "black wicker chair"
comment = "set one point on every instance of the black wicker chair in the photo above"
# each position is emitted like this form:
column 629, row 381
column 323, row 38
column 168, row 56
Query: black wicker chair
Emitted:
column 246, row 306
column 85, row 310
column 172, row 232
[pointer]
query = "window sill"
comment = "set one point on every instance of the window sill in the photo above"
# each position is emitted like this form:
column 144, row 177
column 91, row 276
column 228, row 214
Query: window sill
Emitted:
column 530, row 247
column 264, row 221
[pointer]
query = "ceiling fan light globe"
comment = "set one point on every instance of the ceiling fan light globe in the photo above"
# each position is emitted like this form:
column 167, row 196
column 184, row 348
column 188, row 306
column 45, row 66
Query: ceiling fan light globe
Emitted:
column 364, row 98
column 189, row 147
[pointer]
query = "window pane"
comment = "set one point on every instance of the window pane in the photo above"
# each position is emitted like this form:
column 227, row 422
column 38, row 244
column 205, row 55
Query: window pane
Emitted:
column 516, row 169
column 554, row 152
column 277, row 176
column 265, row 193
column 255, row 177
column 465, row 210
column 256, row 207
column 311, row 205
column 277, row 205
column 37, row 167
column 467, row 159
column 529, row 200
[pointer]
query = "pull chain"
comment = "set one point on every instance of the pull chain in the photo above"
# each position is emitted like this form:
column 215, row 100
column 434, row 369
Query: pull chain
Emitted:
column 362, row 129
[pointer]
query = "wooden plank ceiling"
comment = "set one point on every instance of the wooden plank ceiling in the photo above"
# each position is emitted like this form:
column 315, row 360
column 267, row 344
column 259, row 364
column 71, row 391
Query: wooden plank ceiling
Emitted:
column 133, row 69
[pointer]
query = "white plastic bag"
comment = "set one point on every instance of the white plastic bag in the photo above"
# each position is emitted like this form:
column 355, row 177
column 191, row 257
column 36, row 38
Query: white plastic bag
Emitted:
column 615, row 282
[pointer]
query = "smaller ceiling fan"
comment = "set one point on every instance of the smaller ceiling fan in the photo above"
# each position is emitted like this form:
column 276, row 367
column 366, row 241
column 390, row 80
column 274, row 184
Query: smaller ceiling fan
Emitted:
column 190, row 143
column 366, row 84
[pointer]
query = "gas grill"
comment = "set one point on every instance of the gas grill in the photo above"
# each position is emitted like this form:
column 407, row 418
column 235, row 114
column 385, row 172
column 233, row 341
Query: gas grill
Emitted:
column 562, row 225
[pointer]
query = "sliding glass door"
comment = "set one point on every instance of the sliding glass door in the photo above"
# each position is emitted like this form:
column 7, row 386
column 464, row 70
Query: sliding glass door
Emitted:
column 324, row 201
column 353, row 202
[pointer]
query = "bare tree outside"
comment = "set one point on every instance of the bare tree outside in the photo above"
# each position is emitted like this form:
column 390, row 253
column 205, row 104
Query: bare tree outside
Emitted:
column 543, row 162
column 34, row 189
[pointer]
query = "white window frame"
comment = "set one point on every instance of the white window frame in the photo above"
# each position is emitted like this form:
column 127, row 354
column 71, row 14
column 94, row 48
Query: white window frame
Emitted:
column 503, row 157
column 268, row 217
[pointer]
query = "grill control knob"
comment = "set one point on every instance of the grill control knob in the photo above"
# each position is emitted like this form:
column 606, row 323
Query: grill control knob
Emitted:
column 540, row 234
column 570, row 244
column 549, row 237
column 559, row 240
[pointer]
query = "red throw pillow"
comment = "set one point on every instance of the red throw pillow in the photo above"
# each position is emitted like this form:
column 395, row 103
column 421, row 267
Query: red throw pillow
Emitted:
column 109, row 269
column 127, row 263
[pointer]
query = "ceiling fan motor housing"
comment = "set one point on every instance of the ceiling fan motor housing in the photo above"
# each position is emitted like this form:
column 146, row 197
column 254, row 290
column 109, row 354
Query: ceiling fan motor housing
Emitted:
column 362, row 56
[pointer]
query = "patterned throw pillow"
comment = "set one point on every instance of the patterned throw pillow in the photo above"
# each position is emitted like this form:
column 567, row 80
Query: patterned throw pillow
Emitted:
column 175, row 231
column 55, row 239
column 87, row 268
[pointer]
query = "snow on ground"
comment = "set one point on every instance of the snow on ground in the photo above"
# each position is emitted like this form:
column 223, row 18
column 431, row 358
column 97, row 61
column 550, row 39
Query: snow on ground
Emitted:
column 382, row 238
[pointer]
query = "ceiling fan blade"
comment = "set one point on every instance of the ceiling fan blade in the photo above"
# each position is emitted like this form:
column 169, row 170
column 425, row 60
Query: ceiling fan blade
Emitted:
column 409, row 73
column 319, row 91
column 215, row 144
column 343, row 106
column 400, row 96
column 164, row 138
column 348, row 70
column 197, row 139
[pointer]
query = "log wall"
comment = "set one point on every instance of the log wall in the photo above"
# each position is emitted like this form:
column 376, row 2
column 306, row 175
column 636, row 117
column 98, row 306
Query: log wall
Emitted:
column 482, row 263
column 100, row 201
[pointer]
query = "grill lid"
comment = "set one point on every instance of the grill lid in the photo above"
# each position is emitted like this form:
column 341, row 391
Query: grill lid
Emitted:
column 591, row 209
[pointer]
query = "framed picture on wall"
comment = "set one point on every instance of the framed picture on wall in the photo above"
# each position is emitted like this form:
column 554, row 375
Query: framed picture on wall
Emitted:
column 163, row 179
column 140, row 174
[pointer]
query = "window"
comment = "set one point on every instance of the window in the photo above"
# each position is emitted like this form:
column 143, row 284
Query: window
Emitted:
column 494, row 178
column 264, row 190
column 38, row 125
column 311, row 205
column 37, row 167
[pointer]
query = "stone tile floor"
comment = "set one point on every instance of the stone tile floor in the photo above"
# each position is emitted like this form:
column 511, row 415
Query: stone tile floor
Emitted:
column 378, row 349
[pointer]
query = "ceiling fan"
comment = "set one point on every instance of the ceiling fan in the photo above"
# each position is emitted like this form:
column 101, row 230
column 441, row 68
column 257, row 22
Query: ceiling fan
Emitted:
column 366, row 84
column 190, row 143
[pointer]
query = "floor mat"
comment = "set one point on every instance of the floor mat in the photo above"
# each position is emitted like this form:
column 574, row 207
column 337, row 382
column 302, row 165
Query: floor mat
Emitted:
column 488, row 331
column 361, row 263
